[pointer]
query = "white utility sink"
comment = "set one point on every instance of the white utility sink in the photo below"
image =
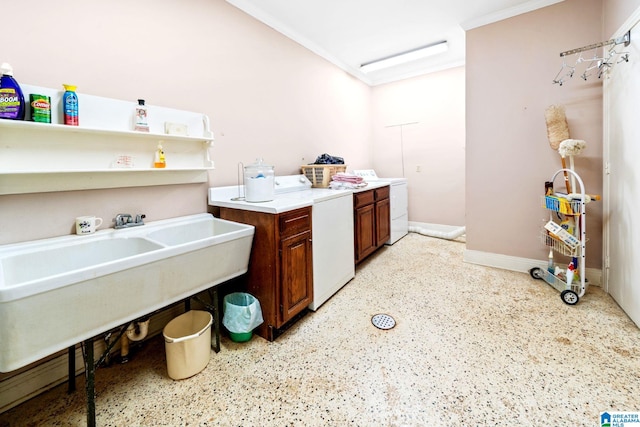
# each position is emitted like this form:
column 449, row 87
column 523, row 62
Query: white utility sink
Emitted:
column 57, row 292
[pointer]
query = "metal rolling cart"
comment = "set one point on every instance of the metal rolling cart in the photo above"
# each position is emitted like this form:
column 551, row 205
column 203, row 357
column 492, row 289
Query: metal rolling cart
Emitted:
column 570, row 282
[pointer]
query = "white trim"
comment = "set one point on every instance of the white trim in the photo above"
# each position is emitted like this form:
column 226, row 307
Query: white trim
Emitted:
column 22, row 387
column 44, row 376
column 629, row 23
column 509, row 12
column 523, row 265
column 628, row 302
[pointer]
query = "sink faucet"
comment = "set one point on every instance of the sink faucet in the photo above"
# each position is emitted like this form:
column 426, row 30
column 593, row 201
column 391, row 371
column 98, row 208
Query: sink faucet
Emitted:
column 126, row 220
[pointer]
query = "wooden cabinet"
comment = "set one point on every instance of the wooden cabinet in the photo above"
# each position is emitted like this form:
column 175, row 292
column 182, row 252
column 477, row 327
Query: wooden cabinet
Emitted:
column 372, row 221
column 281, row 265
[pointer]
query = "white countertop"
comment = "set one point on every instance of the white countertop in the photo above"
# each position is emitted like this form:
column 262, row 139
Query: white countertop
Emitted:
column 223, row 197
column 371, row 185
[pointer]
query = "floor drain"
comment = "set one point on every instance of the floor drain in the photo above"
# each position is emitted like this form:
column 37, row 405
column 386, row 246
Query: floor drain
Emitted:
column 383, row 321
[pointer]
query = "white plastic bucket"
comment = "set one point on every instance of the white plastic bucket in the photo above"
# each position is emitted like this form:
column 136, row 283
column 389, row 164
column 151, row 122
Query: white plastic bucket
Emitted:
column 187, row 341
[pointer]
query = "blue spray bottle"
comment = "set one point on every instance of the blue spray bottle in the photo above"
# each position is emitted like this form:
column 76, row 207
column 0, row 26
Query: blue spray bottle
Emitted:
column 70, row 105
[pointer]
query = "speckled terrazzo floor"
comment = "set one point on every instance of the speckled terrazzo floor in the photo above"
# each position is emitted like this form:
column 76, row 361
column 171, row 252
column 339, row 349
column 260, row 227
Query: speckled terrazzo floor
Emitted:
column 472, row 346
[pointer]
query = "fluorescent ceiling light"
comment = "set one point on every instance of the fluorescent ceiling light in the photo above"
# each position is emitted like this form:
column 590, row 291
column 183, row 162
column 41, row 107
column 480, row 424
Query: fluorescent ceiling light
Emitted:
column 402, row 58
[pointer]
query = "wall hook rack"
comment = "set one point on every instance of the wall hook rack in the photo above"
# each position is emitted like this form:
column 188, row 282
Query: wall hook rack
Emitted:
column 598, row 65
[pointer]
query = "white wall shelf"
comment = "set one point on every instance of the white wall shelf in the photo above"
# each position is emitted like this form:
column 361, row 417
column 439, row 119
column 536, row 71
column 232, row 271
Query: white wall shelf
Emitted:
column 48, row 157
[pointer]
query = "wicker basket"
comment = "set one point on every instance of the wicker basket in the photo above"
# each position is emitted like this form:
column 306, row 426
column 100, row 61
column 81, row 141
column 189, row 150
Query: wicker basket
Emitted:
column 320, row 175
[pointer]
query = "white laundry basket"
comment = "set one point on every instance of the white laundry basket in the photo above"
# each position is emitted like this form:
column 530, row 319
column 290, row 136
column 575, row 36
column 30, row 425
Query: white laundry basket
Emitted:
column 187, row 341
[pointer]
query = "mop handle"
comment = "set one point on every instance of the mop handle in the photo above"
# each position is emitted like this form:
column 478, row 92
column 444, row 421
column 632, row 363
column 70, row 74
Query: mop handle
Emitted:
column 566, row 176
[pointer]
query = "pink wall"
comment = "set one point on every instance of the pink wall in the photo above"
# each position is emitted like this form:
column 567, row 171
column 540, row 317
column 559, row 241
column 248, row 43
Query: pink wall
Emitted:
column 265, row 95
column 432, row 150
column 510, row 68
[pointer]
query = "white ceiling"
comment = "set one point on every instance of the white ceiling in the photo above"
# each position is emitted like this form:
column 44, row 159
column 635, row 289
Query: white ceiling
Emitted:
column 350, row 33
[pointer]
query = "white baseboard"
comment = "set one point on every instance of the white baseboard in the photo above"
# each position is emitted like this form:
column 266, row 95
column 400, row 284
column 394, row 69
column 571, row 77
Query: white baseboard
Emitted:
column 18, row 388
column 507, row 262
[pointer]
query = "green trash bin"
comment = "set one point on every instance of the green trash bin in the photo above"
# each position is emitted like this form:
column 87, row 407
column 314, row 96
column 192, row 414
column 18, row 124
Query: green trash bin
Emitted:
column 242, row 314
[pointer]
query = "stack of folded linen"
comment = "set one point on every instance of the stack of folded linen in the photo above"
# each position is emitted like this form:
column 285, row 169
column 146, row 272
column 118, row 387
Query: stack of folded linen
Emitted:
column 342, row 180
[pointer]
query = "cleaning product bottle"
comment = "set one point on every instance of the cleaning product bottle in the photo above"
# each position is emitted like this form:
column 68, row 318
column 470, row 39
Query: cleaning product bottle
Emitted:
column 140, row 120
column 570, row 270
column 159, row 160
column 11, row 97
column 40, row 108
column 70, row 105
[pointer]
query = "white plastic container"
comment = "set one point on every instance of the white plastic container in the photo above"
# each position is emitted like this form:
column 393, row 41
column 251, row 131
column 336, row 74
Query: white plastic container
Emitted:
column 187, row 341
column 259, row 182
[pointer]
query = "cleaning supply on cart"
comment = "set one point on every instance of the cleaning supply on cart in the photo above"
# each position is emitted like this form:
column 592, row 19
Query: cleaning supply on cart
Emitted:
column 570, row 269
column 576, row 270
column 70, row 110
column 587, row 197
column 140, row 117
column 40, row 108
column 560, row 233
column 558, row 203
column 11, row 98
column 568, row 224
column 550, row 262
column 159, row 160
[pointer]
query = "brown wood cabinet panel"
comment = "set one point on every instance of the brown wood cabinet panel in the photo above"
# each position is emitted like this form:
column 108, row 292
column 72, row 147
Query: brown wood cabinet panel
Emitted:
column 294, row 222
column 365, row 231
column 381, row 193
column 297, row 273
column 364, row 198
column 372, row 221
column 383, row 221
column 280, row 271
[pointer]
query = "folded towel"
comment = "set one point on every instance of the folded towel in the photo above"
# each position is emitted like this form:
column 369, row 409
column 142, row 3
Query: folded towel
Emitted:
column 340, row 185
column 347, row 177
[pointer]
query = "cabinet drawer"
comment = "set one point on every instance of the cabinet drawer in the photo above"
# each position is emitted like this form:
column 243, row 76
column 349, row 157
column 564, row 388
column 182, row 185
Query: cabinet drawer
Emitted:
column 382, row 193
column 294, row 222
column 363, row 198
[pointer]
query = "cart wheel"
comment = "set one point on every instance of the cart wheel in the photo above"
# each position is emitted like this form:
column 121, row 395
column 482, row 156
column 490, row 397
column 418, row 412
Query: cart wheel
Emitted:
column 569, row 297
column 536, row 273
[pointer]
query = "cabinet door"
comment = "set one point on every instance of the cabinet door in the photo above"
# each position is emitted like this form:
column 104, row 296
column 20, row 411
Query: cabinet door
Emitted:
column 365, row 231
column 383, row 221
column 296, row 272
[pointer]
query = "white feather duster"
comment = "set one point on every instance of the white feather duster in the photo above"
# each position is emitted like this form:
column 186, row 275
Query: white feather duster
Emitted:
column 571, row 147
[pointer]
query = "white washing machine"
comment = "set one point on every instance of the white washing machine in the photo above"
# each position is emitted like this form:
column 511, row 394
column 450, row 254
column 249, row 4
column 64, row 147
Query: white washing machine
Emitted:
column 399, row 201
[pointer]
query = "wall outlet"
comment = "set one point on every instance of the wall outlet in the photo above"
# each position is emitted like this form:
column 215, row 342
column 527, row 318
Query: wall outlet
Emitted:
column 418, row 168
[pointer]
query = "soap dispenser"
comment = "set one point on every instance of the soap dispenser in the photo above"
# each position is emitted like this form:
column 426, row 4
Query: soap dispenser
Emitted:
column 159, row 160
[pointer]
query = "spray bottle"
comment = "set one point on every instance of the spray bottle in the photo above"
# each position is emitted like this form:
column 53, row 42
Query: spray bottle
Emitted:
column 550, row 266
column 570, row 269
column 70, row 105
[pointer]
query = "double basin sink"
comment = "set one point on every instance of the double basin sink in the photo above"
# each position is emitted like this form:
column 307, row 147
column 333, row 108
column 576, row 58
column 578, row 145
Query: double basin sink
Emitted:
column 60, row 291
